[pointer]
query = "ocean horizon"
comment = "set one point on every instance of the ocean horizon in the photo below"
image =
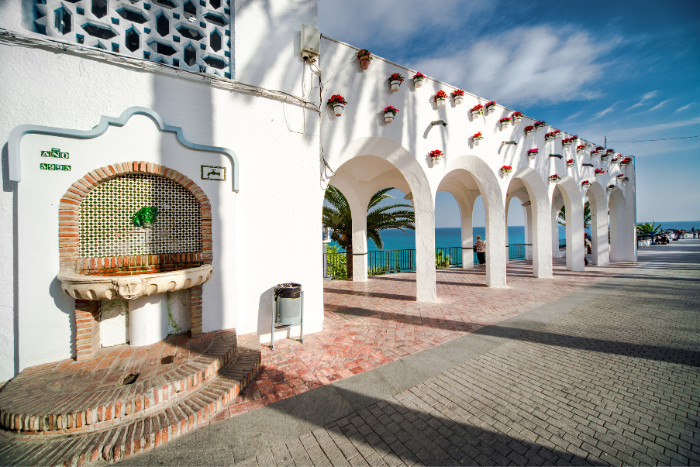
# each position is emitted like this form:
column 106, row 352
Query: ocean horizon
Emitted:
column 446, row 237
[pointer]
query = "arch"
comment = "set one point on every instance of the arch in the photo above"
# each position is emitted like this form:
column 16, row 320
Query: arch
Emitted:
column 573, row 201
column 465, row 202
column 494, row 206
column 620, row 240
column 599, row 224
column 423, row 201
column 537, row 221
column 69, row 217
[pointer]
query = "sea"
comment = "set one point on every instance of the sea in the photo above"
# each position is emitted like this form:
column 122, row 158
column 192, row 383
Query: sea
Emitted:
column 452, row 237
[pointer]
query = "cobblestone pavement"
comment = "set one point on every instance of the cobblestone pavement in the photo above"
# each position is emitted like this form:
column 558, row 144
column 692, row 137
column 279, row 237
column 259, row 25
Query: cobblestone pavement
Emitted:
column 376, row 322
column 614, row 379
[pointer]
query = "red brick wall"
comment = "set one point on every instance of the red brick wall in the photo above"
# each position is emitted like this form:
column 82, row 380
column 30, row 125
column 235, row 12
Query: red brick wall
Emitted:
column 87, row 336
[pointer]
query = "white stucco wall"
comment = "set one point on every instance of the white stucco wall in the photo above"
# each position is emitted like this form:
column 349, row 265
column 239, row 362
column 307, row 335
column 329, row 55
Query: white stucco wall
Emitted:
column 277, row 214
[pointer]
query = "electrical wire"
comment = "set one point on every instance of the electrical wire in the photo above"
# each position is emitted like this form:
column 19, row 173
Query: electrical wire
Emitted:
column 650, row 140
column 15, row 39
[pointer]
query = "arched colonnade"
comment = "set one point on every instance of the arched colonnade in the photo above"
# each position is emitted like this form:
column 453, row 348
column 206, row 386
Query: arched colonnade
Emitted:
column 370, row 164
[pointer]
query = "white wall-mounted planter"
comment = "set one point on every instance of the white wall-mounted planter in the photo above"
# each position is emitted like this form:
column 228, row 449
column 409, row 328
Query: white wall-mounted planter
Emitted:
column 547, row 140
column 395, row 85
column 571, row 165
column 528, row 134
column 554, row 180
column 440, row 102
column 459, row 100
column 539, row 128
column 475, row 113
column 418, row 83
column 490, row 109
column 558, row 136
column 504, row 125
column 476, row 141
column 586, row 185
column 516, row 120
column 436, row 160
column 566, row 145
column 338, row 109
column 388, row 117
column 532, row 155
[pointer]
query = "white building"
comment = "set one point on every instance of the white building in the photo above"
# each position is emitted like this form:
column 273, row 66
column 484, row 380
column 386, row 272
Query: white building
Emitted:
column 207, row 109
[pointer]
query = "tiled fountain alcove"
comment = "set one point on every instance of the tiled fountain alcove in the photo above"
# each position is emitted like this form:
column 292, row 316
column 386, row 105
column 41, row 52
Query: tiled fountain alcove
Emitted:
column 135, row 242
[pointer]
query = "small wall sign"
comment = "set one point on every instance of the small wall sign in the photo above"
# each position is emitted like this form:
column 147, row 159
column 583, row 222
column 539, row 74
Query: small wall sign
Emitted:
column 55, row 152
column 213, row 172
column 54, row 167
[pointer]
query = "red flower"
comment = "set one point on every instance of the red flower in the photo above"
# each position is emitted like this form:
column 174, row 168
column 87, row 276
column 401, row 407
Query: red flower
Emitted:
column 337, row 99
column 581, row 147
column 396, row 77
column 458, row 92
column 599, row 171
column 436, row 153
column 533, row 151
column 364, row 53
column 505, row 119
column 391, row 109
column 570, row 161
column 517, row 114
column 540, row 123
column 490, row 104
column 529, row 128
column 477, row 136
column 440, row 95
column 554, row 177
column 600, row 148
column 419, row 75
column 506, row 168
column 585, row 182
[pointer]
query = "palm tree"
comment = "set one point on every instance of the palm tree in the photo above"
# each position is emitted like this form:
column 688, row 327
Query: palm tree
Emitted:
column 586, row 216
column 337, row 216
column 648, row 228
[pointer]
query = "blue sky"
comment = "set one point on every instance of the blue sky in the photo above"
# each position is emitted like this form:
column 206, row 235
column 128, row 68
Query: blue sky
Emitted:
column 628, row 70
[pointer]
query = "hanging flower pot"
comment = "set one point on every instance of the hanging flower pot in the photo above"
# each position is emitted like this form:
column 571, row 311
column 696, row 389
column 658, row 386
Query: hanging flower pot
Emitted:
column 490, row 106
column 517, row 116
column 580, row 148
column 476, row 137
column 611, row 188
column 395, row 81
column 554, row 178
column 571, row 163
column 568, row 141
column 505, row 122
column 390, row 114
column 599, row 172
column 539, row 125
column 506, row 169
column 586, row 184
column 594, row 153
column 620, row 177
column 418, row 79
column 436, row 156
column 458, row 96
column 440, row 98
column 532, row 152
column 365, row 56
column 338, row 103
column 615, row 160
column 477, row 110
column 557, row 134
column 549, row 136
column 529, row 130
column 625, row 161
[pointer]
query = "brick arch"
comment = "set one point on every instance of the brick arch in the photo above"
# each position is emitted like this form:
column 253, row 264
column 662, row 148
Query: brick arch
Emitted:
column 87, row 312
column 69, row 222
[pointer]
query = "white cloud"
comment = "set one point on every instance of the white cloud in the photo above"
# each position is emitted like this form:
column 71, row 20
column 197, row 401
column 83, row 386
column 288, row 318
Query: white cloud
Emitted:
column 571, row 117
column 645, row 98
column 659, row 105
column 684, row 107
column 525, row 65
column 604, row 112
column 360, row 22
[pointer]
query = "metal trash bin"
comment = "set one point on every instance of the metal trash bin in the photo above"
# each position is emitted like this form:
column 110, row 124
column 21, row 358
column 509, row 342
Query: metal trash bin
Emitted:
column 287, row 310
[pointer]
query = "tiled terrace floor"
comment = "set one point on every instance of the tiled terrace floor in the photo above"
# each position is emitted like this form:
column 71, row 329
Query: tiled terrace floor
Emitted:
column 369, row 324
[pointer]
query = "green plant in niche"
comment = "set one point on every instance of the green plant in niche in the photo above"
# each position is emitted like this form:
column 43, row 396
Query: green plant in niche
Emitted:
column 146, row 216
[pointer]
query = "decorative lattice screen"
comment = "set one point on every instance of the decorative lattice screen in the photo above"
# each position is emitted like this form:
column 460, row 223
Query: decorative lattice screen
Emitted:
column 110, row 224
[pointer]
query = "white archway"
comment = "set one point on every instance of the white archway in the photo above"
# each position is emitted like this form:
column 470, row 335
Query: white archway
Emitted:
column 573, row 202
column 409, row 177
column 465, row 169
column 599, row 224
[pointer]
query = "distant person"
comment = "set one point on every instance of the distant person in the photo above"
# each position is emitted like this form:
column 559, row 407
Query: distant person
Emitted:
column 480, row 248
column 586, row 247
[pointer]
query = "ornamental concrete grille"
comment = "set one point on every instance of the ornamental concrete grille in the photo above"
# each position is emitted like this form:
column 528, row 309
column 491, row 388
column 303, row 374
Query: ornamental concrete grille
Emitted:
column 190, row 34
column 113, row 221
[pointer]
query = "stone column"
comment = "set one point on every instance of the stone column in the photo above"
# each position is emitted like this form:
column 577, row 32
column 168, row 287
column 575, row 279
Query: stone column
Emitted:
column 496, row 254
column 424, row 206
column 527, row 216
column 467, row 210
column 359, row 243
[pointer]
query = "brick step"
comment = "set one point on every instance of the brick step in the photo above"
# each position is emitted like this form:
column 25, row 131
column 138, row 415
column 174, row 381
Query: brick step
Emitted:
column 30, row 405
column 116, row 443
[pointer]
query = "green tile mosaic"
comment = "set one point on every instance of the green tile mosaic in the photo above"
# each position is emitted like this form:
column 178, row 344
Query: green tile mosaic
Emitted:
column 139, row 214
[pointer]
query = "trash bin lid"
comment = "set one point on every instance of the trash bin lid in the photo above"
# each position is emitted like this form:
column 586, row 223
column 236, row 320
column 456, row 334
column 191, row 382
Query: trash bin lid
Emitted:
column 288, row 290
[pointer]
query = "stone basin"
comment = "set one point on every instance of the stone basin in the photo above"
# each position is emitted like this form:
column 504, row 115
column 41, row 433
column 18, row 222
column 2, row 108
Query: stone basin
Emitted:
column 97, row 287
